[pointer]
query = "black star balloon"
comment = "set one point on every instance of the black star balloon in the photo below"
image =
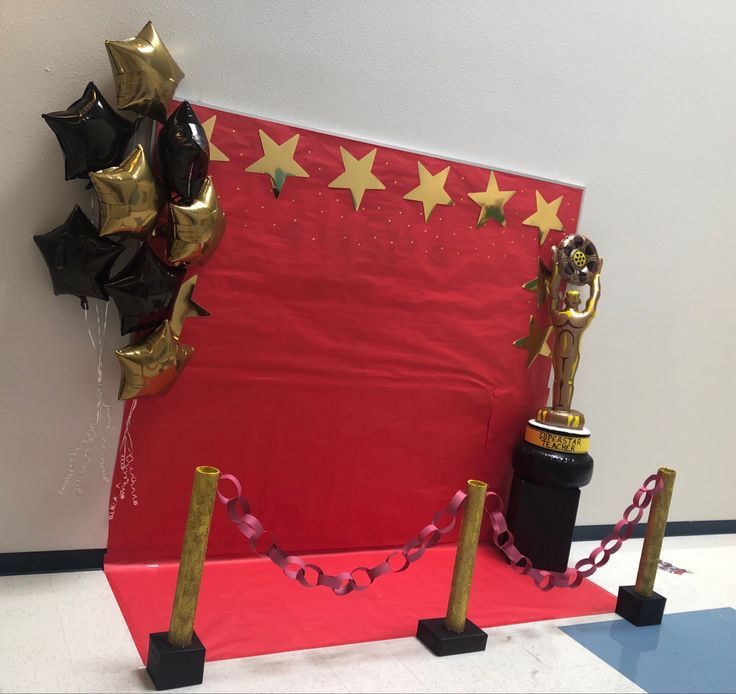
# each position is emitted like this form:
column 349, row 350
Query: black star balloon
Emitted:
column 79, row 260
column 92, row 136
column 184, row 152
column 143, row 291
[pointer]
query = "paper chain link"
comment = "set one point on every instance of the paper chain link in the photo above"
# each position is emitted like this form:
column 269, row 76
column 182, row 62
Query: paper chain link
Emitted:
column 311, row 575
column 362, row 577
column 503, row 538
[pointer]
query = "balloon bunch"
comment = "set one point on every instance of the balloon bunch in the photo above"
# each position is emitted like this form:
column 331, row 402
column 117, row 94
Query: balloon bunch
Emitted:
column 164, row 193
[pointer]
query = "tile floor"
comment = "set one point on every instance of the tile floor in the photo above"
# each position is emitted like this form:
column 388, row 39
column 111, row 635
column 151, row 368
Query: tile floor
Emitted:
column 65, row 633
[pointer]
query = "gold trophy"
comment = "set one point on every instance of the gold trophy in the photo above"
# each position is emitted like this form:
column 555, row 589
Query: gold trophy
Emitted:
column 552, row 462
column 577, row 262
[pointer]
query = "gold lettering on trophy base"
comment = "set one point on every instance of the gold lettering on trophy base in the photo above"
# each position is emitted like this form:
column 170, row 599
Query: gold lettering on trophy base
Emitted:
column 557, row 442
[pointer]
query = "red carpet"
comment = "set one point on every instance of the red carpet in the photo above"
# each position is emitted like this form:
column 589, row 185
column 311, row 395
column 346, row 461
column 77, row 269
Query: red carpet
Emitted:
column 248, row 608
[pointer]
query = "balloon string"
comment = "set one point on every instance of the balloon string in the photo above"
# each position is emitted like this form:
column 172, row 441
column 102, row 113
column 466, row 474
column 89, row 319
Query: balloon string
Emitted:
column 89, row 332
column 126, row 460
column 95, row 435
column 93, row 210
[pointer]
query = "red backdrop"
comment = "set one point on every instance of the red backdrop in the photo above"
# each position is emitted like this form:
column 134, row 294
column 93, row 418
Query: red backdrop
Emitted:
column 358, row 367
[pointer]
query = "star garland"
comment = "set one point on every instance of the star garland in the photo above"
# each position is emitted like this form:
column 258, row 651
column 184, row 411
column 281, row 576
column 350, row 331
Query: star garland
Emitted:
column 280, row 161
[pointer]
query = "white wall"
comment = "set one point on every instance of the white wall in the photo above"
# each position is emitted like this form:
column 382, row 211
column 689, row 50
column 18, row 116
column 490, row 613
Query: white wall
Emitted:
column 636, row 101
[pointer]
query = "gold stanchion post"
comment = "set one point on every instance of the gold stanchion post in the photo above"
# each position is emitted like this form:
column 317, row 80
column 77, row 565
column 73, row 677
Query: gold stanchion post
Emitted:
column 193, row 552
column 639, row 604
column 455, row 633
column 467, row 548
column 176, row 657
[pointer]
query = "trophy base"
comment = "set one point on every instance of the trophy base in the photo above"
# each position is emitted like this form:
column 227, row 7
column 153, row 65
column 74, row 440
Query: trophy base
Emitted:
column 550, row 466
column 542, row 520
column 569, row 419
column 554, row 456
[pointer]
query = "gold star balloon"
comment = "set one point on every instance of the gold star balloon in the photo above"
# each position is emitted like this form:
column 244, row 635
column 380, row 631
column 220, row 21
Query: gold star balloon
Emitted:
column 152, row 366
column 216, row 154
column 278, row 161
column 146, row 75
column 540, row 284
column 130, row 196
column 431, row 190
column 491, row 202
column 196, row 228
column 535, row 343
column 185, row 307
column 545, row 218
column 358, row 176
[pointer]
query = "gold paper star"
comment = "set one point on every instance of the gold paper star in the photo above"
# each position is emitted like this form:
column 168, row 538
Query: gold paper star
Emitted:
column 130, row 196
column 491, row 201
column 540, row 284
column 196, row 228
column 431, row 190
column 151, row 366
column 216, row 154
column 358, row 176
column 146, row 75
column 545, row 218
column 185, row 307
column 278, row 161
column 535, row 343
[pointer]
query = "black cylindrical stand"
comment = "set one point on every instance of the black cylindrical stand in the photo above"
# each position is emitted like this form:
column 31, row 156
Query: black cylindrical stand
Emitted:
column 550, row 466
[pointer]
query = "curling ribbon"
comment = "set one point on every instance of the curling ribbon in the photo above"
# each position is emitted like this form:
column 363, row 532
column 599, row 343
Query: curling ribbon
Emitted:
column 95, row 434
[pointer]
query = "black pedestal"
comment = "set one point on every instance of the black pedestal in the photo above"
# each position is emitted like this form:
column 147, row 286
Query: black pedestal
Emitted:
column 640, row 611
column 542, row 520
column 552, row 468
column 545, row 492
column 172, row 666
column 433, row 634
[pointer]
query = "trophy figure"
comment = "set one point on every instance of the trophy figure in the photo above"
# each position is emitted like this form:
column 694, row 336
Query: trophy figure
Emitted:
column 552, row 462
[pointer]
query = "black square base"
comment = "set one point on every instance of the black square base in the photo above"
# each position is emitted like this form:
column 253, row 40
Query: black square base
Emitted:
column 433, row 634
column 173, row 666
column 640, row 611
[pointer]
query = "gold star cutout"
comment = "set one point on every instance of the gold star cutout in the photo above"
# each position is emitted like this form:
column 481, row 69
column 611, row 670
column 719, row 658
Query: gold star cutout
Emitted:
column 196, row 228
column 545, row 218
column 152, row 366
column 358, row 176
column 185, row 307
column 540, row 284
column 130, row 196
column 278, row 161
column 535, row 343
column 146, row 75
column 431, row 190
column 491, row 202
column 216, row 154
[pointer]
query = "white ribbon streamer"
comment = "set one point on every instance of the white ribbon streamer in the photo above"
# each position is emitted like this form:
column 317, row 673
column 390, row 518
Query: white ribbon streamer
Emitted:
column 94, row 443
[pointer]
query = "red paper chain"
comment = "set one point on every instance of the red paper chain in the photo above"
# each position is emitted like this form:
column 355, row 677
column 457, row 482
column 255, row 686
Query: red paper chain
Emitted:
column 503, row 538
column 344, row 582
